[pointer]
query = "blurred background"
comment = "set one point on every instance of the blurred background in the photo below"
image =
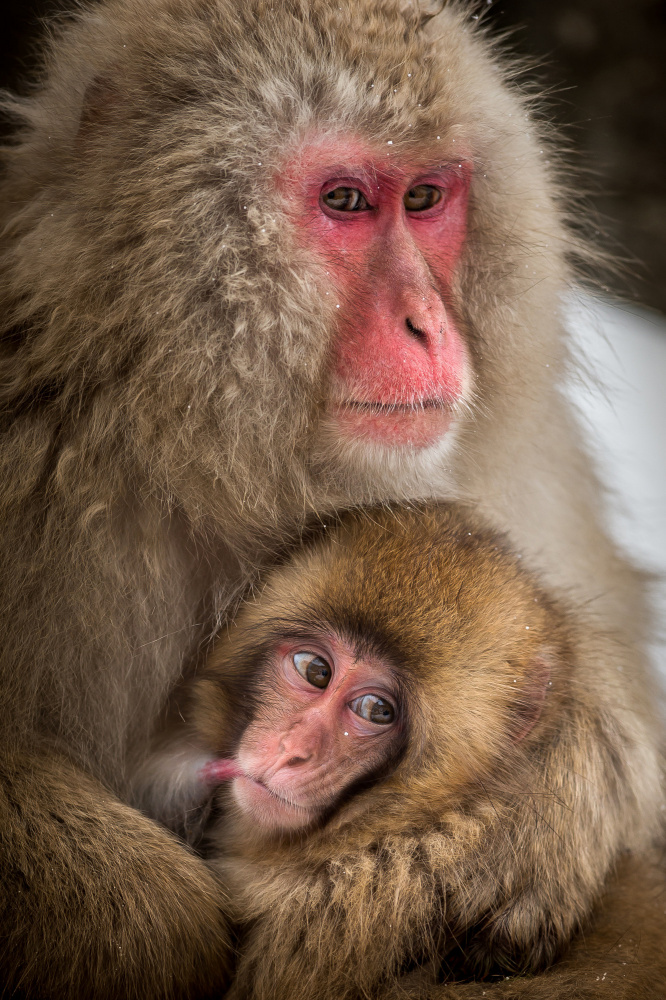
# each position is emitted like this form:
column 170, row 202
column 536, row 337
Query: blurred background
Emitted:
column 602, row 64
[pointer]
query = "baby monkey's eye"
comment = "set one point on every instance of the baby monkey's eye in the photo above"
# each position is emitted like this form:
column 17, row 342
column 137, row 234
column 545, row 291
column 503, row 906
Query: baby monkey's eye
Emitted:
column 313, row 668
column 372, row 708
column 345, row 199
column 421, row 197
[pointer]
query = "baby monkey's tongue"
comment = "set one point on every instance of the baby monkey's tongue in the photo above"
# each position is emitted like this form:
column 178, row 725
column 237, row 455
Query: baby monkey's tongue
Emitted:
column 221, row 769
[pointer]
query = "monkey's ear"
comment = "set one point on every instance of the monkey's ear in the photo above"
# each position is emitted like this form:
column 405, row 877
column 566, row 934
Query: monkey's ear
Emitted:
column 532, row 696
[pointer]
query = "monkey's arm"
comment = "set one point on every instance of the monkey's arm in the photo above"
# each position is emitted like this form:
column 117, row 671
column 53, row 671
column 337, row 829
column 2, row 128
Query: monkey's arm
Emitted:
column 97, row 900
column 622, row 956
column 513, row 877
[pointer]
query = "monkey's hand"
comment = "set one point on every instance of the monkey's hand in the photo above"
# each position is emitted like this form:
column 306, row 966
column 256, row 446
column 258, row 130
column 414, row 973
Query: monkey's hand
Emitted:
column 99, row 901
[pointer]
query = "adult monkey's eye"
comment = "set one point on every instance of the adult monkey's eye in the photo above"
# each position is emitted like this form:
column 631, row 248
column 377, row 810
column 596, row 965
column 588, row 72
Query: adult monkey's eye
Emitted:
column 421, row 197
column 345, row 199
column 372, row 708
column 314, row 669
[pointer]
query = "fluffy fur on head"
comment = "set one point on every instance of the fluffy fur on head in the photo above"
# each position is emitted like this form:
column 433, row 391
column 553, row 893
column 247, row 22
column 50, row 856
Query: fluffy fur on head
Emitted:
column 151, row 282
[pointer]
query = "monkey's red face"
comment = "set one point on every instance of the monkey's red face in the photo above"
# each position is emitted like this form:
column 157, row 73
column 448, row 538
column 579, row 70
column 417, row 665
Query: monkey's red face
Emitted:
column 390, row 233
column 327, row 719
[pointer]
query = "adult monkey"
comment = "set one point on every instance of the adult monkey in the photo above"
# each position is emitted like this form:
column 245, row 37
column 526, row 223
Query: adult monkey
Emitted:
column 257, row 262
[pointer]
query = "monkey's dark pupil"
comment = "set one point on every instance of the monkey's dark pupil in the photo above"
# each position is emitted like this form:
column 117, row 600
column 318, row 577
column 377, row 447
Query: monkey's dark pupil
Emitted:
column 313, row 668
column 318, row 672
column 382, row 712
column 345, row 199
column 421, row 197
column 373, row 709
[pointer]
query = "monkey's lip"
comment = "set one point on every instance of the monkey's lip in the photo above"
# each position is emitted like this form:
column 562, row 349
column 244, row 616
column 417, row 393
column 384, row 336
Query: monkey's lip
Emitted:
column 267, row 806
column 389, row 408
column 416, row 424
column 280, row 798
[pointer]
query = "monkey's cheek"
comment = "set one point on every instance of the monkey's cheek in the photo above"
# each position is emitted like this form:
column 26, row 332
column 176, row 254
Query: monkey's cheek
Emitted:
column 397, row 428
column 266, row 809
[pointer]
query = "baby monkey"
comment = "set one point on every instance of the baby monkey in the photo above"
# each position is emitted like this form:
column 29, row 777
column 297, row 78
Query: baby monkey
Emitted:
column 377, row 732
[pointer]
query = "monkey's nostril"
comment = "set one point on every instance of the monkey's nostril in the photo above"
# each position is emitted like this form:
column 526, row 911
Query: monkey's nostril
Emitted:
column 294, row 761
column 415, row 331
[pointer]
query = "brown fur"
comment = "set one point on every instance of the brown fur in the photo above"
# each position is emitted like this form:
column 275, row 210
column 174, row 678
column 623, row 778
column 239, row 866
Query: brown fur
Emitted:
column 164, row 350
column 110, row 892
column 620, row 957
column 478, row 849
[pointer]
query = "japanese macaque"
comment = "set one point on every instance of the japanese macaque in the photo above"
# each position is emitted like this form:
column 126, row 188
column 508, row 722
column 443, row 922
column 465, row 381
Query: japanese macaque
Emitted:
column 393, row 713
column 259, row 262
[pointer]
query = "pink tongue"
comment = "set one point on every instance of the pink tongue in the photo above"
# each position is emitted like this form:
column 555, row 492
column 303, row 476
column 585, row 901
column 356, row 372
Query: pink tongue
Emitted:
column 219, row 770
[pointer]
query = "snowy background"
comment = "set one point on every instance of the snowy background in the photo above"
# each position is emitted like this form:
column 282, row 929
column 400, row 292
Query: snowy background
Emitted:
column 624, row 417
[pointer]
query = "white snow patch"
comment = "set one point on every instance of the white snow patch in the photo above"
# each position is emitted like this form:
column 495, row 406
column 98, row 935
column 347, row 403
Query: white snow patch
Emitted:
column 625, row 421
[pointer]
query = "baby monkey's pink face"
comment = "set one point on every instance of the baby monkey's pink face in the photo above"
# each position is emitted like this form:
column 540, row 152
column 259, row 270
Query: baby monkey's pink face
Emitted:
column 327, row 719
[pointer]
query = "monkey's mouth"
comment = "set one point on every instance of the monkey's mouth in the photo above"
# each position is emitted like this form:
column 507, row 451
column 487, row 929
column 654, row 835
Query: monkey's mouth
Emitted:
column 416, row 424
column 418, row 406
column 267, row 807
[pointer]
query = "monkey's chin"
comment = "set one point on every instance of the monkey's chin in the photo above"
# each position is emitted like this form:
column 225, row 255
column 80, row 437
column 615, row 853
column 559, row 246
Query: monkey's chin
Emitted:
column 361, row 469
column 393, row 426
column 268, row 809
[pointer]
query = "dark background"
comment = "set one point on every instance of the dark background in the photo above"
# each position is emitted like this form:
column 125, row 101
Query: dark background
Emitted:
column 604, row 64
